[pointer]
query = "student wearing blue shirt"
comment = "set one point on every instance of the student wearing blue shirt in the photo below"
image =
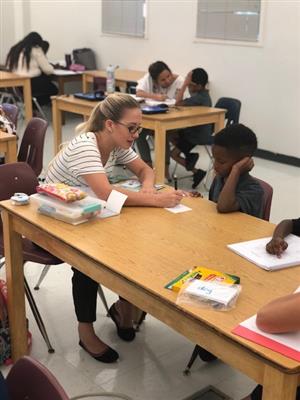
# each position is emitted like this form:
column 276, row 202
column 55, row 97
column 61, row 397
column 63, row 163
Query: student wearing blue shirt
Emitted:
column 196, row 82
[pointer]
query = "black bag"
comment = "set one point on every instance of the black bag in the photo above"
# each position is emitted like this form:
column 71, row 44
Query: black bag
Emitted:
column 85, row 57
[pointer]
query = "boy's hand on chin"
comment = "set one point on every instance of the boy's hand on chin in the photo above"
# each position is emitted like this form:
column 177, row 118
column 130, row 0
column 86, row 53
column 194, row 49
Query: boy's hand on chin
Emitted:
column 244, row 165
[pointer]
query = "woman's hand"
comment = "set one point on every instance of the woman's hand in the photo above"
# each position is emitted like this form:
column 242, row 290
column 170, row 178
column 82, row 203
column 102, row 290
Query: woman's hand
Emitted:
column 276, row 246
column 169, row 199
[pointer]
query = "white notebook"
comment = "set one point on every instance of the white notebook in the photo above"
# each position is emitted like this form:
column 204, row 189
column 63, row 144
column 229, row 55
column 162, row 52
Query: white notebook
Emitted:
column 255, row 251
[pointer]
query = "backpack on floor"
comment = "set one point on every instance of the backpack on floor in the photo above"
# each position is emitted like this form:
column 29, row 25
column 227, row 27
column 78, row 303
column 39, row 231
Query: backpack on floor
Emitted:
column 5, row 343
column 5, row 348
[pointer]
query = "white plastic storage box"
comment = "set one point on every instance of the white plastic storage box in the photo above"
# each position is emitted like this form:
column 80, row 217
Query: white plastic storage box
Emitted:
column 73, row 213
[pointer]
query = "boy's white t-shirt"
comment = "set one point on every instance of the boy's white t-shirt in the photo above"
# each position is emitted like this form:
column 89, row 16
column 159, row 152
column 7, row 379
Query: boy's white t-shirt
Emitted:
column 147, row 85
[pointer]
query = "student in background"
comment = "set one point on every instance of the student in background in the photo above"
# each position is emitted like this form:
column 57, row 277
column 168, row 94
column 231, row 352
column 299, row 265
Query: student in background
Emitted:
column 233, row 188
column 28, row 57
column 106, row 140
column 188, row 138
column 278, row 245
column 279, row 316
column 160, row 84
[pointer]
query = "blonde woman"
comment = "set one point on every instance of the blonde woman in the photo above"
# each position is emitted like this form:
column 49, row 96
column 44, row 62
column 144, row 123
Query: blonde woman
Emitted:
column 106, row 139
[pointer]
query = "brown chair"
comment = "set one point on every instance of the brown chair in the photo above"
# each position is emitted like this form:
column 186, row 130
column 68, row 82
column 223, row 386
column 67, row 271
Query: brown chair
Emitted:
column 12, row 112
column 19, row 177
column 32, row 144
column 29, row 379
column 267, row 200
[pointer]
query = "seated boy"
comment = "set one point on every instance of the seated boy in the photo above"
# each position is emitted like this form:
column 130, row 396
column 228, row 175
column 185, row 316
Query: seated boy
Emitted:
column 281, row 315
column 233, row 189
column 188, row 138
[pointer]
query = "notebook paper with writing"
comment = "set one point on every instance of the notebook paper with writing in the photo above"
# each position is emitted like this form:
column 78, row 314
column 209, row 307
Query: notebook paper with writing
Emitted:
column 287, row 344
column 255, row 251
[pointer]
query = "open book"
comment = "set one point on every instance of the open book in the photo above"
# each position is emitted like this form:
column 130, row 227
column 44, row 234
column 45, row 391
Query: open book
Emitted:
column 255, row 251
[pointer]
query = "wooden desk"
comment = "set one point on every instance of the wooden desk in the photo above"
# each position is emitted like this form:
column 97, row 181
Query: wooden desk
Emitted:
column 122, row 77
column 180, row 117
column 8, row 146
column 64, row 76
column 153, row 246
column 9, row 79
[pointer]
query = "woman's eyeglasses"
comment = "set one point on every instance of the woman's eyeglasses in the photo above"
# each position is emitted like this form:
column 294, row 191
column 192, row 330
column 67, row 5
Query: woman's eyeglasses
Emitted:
column 132, row 129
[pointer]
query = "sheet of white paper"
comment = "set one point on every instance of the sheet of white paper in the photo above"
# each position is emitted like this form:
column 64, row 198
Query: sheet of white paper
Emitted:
column 169, row 102
column 64, row 72
column 115, row 201
column 255, row 251
column 180, row 208
column 288, row 339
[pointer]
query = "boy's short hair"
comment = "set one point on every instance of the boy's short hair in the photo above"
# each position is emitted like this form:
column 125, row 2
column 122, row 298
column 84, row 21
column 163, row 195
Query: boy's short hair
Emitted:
column 200, row 76
column 237, row 138
column 156, row 68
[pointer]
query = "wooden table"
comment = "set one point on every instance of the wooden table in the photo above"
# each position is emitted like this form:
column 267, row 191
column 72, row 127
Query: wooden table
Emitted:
column 8, row 146
column 9, row 79
column 180, row 117
column 122, row 77
column 151, row 246
column 64, row 76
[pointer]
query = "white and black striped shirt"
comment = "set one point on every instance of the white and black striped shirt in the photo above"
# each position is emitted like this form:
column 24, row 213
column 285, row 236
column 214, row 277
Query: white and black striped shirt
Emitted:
column 81, row 157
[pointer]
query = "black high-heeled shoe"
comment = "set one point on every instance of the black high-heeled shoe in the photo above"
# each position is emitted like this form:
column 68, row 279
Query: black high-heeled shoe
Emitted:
column 127, row 334
column 108, row 356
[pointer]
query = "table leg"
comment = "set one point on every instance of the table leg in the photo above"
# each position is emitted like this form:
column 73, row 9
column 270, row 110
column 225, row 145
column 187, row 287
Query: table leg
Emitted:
column 56, row 121
column 27, row 99
column 278, row 385
column 11, row 155
column 84, row 84
column 61, row 91
column 220, row 123
column 15, row 287
column 159, row 152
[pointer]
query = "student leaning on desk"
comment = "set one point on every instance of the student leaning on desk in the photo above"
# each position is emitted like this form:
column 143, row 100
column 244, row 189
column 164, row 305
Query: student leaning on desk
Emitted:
column 28, row 57
column 160, row 84
column 105, row 140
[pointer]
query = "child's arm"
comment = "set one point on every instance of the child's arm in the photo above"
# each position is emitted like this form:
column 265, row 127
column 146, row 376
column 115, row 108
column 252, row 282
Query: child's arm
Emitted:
column 180, row 93
column 281, row 315
column 227, row 201
column 148, row 95
column 278, row 245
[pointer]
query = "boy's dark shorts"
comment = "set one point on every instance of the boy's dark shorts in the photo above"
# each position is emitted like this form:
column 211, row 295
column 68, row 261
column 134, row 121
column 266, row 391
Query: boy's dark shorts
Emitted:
column 257, row 393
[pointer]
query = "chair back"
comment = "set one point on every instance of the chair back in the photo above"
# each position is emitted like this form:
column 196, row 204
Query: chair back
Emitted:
column 267, row 199
column 12, row 112
column 29, row 379
column 17, row 178
column 32, row 145
column 233, row 107
column 131, row 87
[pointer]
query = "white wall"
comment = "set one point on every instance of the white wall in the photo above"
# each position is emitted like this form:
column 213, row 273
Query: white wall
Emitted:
column 266, row 79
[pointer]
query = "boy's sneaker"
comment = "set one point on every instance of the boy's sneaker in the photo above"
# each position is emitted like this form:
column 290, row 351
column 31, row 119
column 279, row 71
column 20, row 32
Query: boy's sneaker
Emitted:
column 197, row 178
column 190, row 161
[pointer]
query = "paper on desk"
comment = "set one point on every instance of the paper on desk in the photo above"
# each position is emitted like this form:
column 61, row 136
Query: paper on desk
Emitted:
column 114, row 204
column 255, row 251
column 180, row 208
column 63, row 72
column 287, row 344
column 168, row 102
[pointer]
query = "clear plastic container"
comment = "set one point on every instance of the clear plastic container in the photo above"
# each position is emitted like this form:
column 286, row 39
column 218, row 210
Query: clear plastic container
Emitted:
column 73, row 213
